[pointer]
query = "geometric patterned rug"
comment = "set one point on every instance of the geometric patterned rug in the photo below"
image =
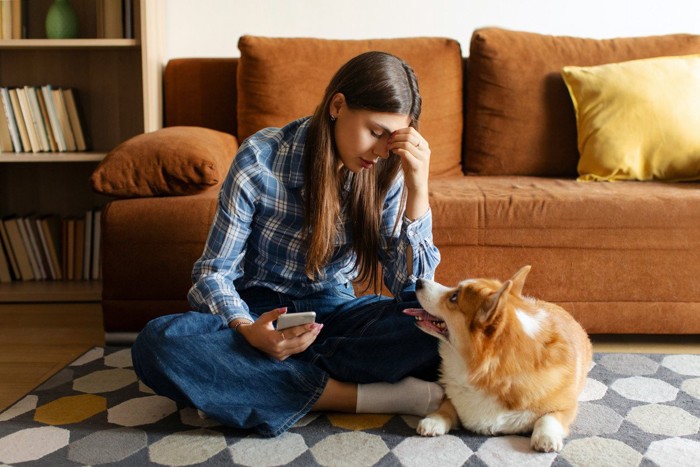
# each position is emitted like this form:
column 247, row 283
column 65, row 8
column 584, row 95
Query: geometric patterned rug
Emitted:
column 636, row 410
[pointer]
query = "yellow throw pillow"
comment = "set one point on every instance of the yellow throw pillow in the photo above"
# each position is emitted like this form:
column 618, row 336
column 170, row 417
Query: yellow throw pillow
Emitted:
column 638, row 120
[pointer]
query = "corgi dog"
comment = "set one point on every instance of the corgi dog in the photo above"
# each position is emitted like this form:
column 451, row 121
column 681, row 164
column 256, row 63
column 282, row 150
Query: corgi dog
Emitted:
column 510, row 363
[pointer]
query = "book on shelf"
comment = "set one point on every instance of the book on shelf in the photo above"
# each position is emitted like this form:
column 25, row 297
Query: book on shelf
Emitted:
column 47, row 93
column 41, row 119
column 51, row 228
column 115, row 19
column 78, row 249
column 75, row 124
column 87, row 243
column 7, row 265
column 96, row 256
column 5, row 275
column 5, row 19
column 64, row 121
column 5, row 136
column 4, row 237
column 27, row 238
column 48, row 132
column 24, row 136
column 12, row 14
column 9, row 113
column 16, row 243
column 49, row 247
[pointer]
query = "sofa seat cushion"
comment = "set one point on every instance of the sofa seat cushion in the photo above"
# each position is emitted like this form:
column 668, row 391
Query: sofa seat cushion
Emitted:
column 529, row 212
column 625, row 246
column 270, row 67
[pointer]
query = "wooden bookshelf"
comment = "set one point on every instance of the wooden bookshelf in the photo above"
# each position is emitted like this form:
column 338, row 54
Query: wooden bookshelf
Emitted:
column 118, row 88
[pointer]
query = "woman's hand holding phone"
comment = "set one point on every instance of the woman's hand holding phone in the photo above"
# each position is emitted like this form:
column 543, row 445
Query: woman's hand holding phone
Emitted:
column 279, row 343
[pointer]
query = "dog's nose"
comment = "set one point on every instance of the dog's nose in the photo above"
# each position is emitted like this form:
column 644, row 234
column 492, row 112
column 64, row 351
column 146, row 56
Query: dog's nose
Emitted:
column 419, row 284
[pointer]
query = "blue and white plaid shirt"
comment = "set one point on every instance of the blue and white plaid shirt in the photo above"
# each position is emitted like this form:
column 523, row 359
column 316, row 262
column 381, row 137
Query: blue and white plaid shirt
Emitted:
column 256, row 238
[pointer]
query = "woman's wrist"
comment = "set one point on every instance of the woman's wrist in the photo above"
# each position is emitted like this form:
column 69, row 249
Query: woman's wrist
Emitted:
column 417, row 204
column 238, row 322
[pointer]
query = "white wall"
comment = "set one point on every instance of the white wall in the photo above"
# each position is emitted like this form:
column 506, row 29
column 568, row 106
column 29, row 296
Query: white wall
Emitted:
column 211, row 28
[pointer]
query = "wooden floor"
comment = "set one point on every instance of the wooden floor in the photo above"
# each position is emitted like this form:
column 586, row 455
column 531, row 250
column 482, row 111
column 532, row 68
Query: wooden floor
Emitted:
column 36, row 341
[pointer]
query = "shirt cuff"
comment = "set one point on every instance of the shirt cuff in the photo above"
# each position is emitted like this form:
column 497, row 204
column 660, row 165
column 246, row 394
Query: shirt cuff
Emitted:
column 232, row 309
column 419, row 229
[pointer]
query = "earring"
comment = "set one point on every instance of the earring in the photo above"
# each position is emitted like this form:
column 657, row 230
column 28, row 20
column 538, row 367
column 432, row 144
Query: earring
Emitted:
column 333, row 117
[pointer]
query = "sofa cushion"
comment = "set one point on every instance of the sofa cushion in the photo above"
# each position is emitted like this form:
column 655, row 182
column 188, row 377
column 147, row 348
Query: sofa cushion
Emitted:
column 282, row 79
column 520, row 119
column 638, row 120
column 528, row 211
column 645, row 235
column 171, row 161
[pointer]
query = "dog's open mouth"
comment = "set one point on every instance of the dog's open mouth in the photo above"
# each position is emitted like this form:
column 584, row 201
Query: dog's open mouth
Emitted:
column 428, row 322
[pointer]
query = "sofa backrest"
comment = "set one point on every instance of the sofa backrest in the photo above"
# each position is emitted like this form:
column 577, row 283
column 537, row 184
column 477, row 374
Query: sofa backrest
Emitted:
column 282, row 79
column 201, row 92
column 510, row 108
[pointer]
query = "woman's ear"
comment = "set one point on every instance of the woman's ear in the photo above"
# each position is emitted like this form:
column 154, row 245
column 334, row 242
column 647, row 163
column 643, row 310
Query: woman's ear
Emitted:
column 337, row 103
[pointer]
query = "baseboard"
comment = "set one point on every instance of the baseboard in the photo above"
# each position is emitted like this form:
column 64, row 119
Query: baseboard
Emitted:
column 120, row 338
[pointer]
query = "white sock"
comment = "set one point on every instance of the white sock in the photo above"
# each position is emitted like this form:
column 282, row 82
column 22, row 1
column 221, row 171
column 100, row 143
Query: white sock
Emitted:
column 410, row 396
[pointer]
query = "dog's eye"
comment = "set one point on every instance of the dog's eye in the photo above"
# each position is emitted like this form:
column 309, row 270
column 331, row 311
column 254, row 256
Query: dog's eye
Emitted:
column 453, row 297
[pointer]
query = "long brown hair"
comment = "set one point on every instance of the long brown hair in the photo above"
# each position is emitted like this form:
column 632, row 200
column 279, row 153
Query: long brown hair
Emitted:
column 375, row 81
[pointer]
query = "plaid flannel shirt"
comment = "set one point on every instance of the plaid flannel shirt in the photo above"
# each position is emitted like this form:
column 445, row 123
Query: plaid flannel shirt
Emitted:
column 256, row 238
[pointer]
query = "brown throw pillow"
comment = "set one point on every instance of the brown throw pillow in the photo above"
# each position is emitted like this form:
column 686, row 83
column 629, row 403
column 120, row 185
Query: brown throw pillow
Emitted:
column 520, row 118
column 173, row 161
column 282, row 79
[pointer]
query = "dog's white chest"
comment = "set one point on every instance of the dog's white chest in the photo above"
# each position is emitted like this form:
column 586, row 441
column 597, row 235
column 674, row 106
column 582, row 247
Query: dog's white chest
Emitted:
column 478, row 411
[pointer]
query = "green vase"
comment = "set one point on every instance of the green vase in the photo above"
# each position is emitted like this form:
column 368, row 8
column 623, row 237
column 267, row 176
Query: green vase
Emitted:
column 61, row 21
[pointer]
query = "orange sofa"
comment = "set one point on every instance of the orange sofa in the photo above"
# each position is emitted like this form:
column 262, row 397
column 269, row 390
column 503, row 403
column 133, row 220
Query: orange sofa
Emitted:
column 622, row 257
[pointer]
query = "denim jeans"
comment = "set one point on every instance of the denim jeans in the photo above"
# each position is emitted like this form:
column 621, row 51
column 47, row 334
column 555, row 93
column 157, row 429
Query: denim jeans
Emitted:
column 196, row 359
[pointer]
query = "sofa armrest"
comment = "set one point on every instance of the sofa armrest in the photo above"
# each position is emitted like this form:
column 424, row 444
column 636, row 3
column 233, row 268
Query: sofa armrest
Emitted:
column 173, row 161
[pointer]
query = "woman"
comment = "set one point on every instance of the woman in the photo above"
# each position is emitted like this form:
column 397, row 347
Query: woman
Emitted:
column 304, row 211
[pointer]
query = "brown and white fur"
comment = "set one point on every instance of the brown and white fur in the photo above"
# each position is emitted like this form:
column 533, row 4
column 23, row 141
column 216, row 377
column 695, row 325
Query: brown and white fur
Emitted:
column 510, row 363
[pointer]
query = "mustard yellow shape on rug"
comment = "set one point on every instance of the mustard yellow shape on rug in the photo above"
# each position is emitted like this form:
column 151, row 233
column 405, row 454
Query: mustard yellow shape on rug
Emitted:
column 70, row 409
column 358, row 421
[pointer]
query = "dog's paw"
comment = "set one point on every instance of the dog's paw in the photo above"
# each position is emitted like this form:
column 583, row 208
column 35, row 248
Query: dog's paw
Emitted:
column 545, row 443
column 548, row 435
column 433, row 425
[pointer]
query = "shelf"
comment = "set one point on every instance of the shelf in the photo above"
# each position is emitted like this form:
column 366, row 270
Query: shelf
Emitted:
column 51, row 291
column 11, row 157
column 67, row 43
column 118, row 86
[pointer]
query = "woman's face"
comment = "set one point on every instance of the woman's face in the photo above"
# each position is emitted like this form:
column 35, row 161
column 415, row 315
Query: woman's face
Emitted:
column 361, row 135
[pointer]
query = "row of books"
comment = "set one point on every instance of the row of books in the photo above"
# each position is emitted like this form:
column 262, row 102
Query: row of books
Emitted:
column 50, row 247
column 40, row 119
column 114, row 19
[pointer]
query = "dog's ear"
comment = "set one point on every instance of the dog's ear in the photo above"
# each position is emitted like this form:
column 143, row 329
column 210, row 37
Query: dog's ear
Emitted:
column 491, row 309
column 518, row 279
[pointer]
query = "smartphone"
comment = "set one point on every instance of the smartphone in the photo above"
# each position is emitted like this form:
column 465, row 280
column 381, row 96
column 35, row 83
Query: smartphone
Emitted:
column 289, row 320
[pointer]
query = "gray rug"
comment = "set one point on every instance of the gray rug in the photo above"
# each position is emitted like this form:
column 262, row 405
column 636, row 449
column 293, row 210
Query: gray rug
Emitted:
column 637, row 410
